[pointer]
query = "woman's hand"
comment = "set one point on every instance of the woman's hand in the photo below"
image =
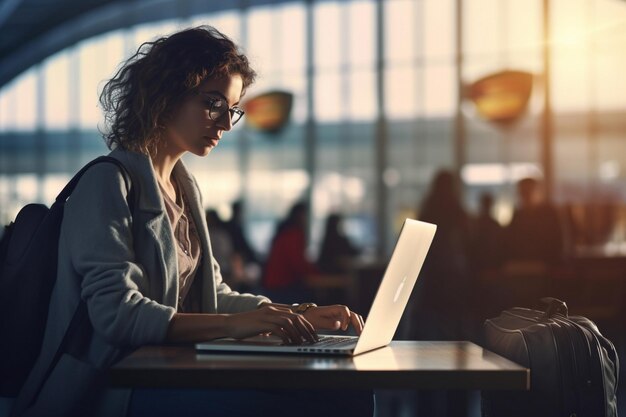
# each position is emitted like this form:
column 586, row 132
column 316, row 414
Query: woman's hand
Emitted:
column 293, row 328
column 334, row 317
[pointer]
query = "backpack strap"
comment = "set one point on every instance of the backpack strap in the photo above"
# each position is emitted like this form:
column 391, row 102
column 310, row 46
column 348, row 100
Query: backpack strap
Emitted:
column 81, row 311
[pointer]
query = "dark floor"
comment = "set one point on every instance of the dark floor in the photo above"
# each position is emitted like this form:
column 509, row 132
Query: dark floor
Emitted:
column 432, row 404
column 405, row 404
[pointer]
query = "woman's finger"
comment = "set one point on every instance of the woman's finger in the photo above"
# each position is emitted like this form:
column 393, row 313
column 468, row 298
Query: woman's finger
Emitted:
column 281, row 333
column 301, row 324
column 356, row 323
column 346, row 318
column 291, row 329
column 306, row 328
column 303, row 328
column 274, row 320
column 294, row 325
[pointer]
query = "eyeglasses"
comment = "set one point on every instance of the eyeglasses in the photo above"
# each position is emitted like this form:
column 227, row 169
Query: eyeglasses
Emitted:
column 218, row 107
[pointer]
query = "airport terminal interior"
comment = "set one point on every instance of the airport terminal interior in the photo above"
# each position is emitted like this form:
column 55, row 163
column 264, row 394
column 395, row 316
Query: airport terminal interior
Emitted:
column 457, row 112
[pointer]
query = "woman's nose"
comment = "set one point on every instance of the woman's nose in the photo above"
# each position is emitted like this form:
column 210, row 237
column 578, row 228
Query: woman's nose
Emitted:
column 226, row 121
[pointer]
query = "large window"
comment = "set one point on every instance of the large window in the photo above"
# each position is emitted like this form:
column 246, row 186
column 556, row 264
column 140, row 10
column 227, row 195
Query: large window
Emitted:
column 358, row 80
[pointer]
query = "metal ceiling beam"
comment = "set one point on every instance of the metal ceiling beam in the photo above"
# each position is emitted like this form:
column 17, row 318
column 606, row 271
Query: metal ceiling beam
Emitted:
column 115, row 15
column 7, row 8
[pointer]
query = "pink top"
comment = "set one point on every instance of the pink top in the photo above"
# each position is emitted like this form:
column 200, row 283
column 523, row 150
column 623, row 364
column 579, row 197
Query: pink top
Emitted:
column 186, row 235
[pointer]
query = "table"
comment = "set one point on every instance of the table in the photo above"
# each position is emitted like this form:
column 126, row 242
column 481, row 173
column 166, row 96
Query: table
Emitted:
column 401, row 365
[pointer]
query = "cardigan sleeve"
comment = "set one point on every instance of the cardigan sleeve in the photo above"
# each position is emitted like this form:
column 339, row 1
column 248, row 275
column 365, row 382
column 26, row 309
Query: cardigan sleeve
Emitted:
column 97, row 235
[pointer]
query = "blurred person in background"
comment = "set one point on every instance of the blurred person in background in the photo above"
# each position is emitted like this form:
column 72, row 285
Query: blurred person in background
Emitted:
column 336, row 250
column 441, row 293
column 287, row 267
column 336, row 260
column 535, row 233
column 486, row 237
column 235, row 227
column 245, row 264
column 221, row 245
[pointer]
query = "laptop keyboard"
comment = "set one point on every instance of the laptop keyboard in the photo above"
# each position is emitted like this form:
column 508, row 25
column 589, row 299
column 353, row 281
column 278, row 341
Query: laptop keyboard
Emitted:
column 326, row 341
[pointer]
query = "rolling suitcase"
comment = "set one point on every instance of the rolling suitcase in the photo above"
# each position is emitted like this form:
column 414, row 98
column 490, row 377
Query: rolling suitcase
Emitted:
column 573, row 368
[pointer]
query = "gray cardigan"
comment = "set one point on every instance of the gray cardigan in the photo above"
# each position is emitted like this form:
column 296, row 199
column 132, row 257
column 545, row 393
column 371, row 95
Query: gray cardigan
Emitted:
column 124, row 266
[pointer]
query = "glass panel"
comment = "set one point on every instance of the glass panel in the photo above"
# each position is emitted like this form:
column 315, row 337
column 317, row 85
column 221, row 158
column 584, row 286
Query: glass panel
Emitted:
column 610, row 83
column 607, row 39
column 26, row 100
column 262, row 39
column 570, row 66
column 7, row 107
column 7, row 214
column 439, row 28
column 327, row 29
column 114, row 45
column 292, row 45
column 570, row 81
column 401, row 101
column 362, row 105
column 98, row 59
column 569, row 22
column 439, row 90
column 56, row 93
column 362, row 33
column 402, row 26
column 296, row 84
column 328, row 100
column 524, row 25
column 88, row 53
column 481, row 26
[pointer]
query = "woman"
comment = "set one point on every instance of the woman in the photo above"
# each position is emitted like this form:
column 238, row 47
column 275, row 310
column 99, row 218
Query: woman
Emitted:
column 147, row 274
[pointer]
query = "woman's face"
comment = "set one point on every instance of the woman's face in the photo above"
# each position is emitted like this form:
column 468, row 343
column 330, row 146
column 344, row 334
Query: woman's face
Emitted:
column 191, row 129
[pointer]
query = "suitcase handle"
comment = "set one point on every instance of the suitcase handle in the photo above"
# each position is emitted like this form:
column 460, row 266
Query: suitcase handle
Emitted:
column 554, row 306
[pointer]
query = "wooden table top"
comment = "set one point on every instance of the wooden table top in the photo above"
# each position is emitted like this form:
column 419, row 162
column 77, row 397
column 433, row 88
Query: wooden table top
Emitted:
column 401, row 365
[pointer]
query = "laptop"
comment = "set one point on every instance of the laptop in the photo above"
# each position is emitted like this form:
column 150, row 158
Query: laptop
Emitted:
column 384, row 316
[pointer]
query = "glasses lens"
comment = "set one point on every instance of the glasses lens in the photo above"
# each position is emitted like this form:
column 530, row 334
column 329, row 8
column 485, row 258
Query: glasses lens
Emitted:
column 235, row 115
column 218, row 108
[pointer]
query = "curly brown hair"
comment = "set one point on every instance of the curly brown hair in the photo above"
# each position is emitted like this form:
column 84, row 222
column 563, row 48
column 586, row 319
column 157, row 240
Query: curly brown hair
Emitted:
column 146, row 90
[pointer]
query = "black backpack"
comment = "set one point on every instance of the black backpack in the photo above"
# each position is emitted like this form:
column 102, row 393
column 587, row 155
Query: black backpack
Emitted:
column 574, row 370
column 28, row 268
